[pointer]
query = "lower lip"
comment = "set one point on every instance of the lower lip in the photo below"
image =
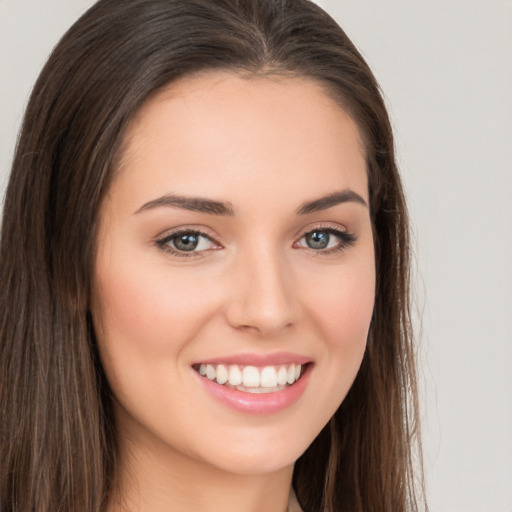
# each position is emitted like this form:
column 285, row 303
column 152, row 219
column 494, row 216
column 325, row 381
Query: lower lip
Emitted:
column 257, row 403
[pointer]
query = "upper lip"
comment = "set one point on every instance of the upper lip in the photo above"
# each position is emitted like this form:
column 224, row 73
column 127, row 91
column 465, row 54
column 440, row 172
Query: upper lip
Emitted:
column 252, row 359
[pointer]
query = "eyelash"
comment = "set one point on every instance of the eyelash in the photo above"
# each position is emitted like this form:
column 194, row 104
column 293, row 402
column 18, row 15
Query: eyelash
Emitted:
column 346, row 239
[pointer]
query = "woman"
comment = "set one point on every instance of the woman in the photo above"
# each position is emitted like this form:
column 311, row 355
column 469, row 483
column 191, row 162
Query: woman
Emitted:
column 204, row 270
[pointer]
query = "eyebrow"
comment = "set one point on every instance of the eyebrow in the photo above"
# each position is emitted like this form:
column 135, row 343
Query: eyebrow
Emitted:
column 330, row 200
column 196, row 204
column 199, row 204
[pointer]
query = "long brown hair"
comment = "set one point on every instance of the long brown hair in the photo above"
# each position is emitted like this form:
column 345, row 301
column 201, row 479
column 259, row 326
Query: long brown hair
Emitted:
column 58, row 444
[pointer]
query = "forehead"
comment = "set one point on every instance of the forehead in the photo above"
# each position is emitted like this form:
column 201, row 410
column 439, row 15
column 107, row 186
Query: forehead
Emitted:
column 205, row 133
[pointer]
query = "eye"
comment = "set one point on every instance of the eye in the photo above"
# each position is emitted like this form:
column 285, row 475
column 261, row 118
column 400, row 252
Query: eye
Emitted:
column 187, row 243
column 326, row 240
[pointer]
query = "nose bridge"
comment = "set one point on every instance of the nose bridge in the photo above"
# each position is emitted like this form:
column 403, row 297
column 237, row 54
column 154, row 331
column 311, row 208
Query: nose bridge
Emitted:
column 264, row 295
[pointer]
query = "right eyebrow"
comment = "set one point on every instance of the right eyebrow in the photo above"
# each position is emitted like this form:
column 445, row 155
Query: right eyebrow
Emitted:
column 196, row 204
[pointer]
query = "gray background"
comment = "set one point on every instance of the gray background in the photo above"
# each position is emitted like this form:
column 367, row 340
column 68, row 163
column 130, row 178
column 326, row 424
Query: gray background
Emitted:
column 446, row 69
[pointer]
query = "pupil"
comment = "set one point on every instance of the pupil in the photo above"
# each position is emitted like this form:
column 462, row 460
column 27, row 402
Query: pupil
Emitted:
column 186, row 242
column 317, row 239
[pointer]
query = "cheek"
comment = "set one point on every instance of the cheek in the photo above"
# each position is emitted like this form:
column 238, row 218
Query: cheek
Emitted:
column 342, row 302
column 146, row 311
column 341, row 306
column 131, row 332
column 348, row 310
column 144, row 321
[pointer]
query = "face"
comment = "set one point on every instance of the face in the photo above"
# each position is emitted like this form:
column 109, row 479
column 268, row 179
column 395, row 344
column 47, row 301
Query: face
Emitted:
column 235, row 279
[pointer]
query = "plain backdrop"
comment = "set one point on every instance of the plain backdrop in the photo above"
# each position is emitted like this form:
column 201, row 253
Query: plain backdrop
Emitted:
column 445, row 67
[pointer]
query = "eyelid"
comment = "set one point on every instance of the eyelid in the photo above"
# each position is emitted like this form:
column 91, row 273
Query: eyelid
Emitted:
column 188, row 228
column 326, row 226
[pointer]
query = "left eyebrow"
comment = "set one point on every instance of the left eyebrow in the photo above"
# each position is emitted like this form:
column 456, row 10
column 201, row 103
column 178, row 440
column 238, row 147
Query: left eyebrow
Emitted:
column 330, row 200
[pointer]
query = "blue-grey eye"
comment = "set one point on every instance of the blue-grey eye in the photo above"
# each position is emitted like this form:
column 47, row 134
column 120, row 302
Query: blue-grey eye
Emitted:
column 326, row 240
column 318, row 239
column 186, row 241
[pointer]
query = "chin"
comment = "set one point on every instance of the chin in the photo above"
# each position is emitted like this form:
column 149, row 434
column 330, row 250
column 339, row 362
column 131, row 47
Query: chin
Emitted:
column 265, row 462
column 255, row 454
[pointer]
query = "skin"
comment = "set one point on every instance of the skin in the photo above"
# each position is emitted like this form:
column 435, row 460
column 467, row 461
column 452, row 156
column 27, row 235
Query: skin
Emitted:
column 264, row 146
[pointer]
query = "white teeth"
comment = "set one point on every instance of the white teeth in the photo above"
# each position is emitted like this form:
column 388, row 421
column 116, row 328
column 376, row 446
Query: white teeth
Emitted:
column 235, row 375
column 210, row 372
column 291, row 374
column 269, row 377
column 282, row 376
column 222, row 374
column 251, row 377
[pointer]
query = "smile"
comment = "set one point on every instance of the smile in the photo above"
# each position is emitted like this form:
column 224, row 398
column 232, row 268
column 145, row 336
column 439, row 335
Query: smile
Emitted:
column 255, row 384
column 252, row 379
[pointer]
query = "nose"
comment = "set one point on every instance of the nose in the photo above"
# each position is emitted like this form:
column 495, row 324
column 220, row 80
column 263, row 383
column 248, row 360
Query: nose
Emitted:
column 263, row 296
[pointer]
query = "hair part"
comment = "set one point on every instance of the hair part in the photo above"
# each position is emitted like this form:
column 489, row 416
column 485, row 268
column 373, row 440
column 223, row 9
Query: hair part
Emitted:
column 57, row 434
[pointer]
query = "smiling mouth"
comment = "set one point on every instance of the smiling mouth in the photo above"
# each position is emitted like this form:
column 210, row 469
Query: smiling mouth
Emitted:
column 252, row 379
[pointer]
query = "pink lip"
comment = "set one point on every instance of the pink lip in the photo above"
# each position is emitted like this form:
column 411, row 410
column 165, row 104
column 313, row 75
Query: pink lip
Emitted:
column 257, row 403
column 246, row 359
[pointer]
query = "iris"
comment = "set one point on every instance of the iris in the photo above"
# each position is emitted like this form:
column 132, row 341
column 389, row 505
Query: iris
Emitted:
column 186, row 242
column 317, row 239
